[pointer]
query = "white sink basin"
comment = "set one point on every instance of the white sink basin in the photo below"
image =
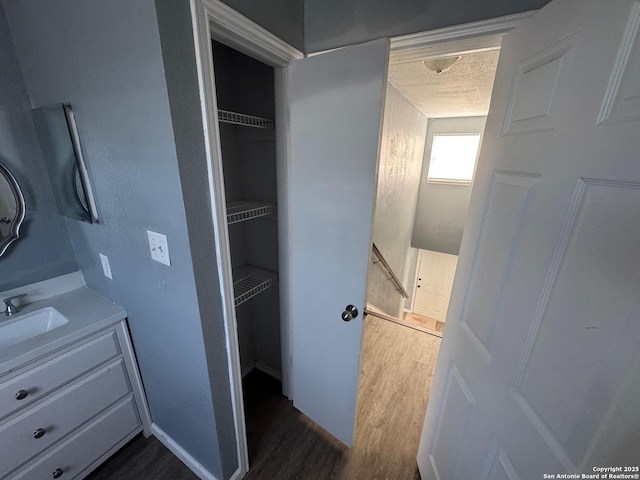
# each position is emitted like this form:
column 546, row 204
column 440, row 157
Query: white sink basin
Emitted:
column 24, row 327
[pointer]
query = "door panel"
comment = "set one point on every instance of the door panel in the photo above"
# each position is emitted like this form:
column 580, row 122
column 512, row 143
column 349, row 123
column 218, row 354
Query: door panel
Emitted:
column 337, row 102
column 593, row 323
column 500, row 229
column 543, row 324
column 433, row 287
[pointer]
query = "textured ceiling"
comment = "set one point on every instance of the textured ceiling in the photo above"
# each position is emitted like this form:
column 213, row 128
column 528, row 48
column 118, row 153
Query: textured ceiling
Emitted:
column 463, row 91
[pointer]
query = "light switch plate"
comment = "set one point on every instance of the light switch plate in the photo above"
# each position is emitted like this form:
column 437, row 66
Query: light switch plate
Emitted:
column 159, row 247
column 106, row 268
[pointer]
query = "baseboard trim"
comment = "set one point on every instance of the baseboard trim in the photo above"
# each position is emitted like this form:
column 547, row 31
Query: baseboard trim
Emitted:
column 237, row 475
column 263, row 368
column 377, row 312
column 247, row 368
column 268, row 370
column 184, row 456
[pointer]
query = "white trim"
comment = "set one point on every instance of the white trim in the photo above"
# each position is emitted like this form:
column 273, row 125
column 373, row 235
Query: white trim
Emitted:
column 184, row 456
column 237, row 31
column 237, row 475
column 214, row 19
column 415, row 280
column 283, row 172
column 459, row 39
column 272, row 372
column 248, row 368
column 201, row 20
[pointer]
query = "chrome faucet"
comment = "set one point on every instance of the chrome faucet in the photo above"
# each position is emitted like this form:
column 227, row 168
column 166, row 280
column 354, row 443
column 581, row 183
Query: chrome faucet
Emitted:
column 10, row 308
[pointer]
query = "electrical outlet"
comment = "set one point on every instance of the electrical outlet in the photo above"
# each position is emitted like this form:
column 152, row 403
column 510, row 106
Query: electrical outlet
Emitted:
column 106, row 268
column 159, row 247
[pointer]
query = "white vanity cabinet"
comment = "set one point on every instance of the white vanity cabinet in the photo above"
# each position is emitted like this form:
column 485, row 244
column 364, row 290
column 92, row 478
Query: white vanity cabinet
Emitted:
column 64, row 412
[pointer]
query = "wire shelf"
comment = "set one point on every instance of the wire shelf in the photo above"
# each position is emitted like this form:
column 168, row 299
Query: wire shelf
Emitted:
column 225, row 116
column 241, row 211
column 250, row 281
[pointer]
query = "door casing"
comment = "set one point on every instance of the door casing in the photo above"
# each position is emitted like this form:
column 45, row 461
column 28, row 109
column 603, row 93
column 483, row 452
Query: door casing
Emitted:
column 212, row 19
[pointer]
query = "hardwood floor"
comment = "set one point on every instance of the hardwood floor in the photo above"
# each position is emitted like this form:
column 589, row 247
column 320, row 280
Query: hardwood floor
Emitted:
column 411, row 320
column 143, row 459
column 396, row 371
column 430, row 325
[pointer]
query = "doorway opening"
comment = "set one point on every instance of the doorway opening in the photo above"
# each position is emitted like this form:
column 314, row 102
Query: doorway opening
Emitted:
column 434, row 117
column 213, row 20
column 246, row 109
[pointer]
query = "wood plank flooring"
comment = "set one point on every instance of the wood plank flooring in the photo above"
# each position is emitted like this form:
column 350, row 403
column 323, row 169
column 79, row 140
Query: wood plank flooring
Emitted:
column 396, row 372
column 430, row 325
column 143, row 459
column 411, row 320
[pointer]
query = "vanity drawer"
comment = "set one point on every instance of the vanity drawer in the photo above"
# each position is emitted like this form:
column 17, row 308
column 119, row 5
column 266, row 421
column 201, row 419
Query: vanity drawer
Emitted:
column 42, row 379
column 60, row 413
column 79, row 451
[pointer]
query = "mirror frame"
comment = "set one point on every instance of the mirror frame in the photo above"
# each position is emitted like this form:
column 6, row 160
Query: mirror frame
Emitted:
column 14, row 234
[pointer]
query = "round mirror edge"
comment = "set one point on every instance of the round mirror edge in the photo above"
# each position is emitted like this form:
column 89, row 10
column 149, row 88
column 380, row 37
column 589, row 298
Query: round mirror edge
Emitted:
column 14, row 234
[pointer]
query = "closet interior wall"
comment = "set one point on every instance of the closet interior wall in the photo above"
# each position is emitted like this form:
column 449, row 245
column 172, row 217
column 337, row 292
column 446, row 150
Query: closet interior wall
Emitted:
column 246, row 86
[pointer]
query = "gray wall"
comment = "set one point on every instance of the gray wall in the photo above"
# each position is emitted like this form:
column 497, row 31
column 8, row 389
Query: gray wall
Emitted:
column 44, row 249
column 284, row 18
column 105, row 59
column 401, row 154
column 442, row 209
column 335, row 23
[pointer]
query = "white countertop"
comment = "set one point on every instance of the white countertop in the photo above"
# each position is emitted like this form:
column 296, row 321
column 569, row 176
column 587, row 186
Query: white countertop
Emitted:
column 87, row 312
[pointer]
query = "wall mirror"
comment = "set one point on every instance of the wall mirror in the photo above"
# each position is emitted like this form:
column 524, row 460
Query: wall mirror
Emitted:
column 60, row 143
column 12, row 208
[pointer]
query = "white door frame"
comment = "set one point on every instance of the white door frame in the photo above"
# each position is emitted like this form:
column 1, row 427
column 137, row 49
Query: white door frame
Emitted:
column 212, row 19
column 415, row 280
column 473, row 37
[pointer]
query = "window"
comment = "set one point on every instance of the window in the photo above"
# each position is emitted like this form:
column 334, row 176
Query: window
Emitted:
column 453, row 158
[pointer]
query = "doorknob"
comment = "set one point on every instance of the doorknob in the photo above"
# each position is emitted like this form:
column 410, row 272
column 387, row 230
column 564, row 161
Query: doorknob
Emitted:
column 350, row 312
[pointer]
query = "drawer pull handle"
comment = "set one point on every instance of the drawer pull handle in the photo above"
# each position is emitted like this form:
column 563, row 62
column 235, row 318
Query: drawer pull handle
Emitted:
column 21, row 395
column 39, row 433
column 57, row 473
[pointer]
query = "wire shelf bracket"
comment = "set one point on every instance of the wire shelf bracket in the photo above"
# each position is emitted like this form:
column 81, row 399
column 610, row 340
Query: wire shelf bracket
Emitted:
column 249, row 281
column 226, row 116
column 241, row 211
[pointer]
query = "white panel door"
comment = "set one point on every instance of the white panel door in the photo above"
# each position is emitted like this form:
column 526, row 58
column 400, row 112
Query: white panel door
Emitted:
column 539, row 369
column 434, row 284
column 337, row 101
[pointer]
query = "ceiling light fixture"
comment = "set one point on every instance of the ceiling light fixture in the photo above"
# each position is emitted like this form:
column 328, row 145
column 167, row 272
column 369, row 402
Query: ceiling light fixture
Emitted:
column 440, row 65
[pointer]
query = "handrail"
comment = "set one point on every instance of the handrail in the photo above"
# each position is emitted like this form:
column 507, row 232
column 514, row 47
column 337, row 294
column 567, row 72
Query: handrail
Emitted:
column 388, row 269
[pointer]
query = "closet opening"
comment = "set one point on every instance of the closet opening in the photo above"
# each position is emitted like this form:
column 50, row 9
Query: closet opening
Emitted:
column 246, row 113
